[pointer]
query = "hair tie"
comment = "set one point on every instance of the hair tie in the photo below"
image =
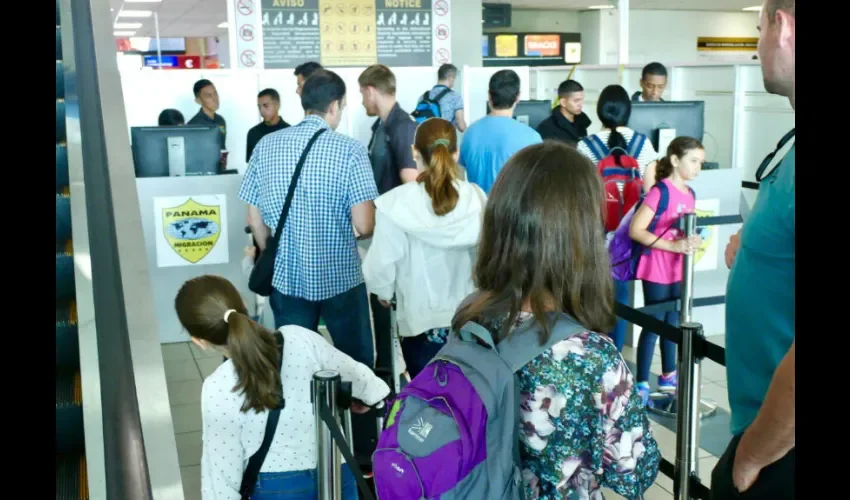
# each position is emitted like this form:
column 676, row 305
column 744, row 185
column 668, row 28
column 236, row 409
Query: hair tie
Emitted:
column 444, row 142
column 228, row 313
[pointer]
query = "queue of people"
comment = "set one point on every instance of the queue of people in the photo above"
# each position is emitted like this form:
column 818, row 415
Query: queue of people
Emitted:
column 518, row 239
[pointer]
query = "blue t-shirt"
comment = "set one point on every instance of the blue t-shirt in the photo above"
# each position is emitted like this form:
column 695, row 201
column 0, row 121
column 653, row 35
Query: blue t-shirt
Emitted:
column 760, row 295
column 487, row 145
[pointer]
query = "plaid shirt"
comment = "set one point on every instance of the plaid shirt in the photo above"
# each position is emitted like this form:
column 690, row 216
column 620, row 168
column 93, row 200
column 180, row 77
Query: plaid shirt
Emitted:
column 317, row 258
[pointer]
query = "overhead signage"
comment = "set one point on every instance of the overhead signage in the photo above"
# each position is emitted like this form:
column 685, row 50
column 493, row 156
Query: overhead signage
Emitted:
column 160, row 62
column 531, row 49
column 282, row 34
column 542, row 45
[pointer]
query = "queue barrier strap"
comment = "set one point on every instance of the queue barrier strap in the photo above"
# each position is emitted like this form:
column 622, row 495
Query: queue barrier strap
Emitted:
column 720, row 220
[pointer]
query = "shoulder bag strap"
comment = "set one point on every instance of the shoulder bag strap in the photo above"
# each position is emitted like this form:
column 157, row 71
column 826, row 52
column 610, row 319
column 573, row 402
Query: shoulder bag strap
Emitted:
column 252, row 471
column 294, row 182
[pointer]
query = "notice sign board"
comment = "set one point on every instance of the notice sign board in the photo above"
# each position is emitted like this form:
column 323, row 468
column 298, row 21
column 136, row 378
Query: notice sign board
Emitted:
column 342, row 33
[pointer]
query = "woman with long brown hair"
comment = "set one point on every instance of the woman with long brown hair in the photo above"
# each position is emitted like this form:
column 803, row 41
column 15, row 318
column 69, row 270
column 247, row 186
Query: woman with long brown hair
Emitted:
column 237, row 398
column 424, row 244
column 542, row 251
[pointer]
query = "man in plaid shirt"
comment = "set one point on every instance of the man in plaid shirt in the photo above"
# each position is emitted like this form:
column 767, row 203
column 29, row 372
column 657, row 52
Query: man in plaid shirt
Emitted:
column 317, row 270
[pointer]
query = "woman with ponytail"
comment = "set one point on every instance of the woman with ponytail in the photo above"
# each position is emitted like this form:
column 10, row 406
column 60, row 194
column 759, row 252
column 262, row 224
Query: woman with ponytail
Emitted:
column 614, row 109
column 265, row 370
column 424, row 245
column 661, row 269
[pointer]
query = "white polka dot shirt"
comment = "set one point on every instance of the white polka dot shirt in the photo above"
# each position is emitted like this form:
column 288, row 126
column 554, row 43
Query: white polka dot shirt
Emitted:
column 230, row 436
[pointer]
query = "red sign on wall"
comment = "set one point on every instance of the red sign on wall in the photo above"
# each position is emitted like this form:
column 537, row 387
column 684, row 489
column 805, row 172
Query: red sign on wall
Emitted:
column 188, row 62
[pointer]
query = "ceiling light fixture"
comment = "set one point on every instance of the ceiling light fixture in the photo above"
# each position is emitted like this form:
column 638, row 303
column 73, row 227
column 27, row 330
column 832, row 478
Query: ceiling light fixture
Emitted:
column 130, row 26
column 756, row 8
column 222, row 25
column 601, row 7
column 135, row 13
column 142, row 1
column 124, row 33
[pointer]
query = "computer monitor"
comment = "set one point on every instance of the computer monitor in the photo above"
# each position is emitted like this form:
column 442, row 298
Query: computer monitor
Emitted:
column 530, row 113
column 176, row 151
column 686, row 117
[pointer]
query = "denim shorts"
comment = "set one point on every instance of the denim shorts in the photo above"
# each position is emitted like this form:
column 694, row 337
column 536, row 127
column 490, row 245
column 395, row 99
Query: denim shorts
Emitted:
column 299, row 485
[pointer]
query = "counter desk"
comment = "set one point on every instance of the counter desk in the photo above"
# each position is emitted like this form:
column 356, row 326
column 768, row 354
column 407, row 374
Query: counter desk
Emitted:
column 192, row 226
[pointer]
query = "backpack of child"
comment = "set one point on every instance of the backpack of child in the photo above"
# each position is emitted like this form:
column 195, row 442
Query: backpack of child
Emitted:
column 453, row 431
column 625, row 252
column 429, row 108
column 621, row 179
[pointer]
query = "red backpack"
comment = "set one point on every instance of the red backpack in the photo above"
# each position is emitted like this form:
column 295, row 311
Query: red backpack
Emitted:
column 620, row 179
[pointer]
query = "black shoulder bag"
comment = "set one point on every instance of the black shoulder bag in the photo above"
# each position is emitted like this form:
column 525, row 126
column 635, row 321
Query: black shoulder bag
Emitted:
column 260, row 281
column 252, row 471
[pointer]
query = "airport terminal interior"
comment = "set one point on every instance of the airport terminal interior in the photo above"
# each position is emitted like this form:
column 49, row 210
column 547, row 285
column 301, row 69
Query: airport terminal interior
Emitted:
column 166, row 110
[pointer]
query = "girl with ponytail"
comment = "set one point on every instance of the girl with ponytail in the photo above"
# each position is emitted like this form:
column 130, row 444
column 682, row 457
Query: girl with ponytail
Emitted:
column 661, row 269
column 265, row 370
column 424, row 245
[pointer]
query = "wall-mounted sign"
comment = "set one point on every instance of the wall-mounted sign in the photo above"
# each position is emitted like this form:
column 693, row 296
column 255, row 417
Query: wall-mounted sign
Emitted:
column 191, row 230
column 281, row 34
column 173, row 62
column 531, row 49
column 542, row 45
column 727, row 44
column 507, row 45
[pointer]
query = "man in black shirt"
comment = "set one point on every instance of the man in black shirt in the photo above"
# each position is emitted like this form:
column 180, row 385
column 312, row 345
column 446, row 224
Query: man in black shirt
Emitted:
column 207, row 96
column 268, row 102
column 392, row 134
column 568, row 123
column 391, row 155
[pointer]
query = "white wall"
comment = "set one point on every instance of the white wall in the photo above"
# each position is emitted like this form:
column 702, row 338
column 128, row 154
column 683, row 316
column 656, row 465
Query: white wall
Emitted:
column 671, row 35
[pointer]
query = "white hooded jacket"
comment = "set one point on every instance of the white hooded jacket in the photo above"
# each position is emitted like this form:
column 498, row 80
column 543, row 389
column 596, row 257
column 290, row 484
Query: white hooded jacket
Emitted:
column 424, row 259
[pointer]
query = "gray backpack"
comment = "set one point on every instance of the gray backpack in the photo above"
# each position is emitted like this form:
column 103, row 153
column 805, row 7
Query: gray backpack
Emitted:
column 453, row 432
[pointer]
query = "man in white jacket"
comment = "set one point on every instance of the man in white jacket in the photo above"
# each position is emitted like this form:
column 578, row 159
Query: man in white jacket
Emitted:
column 425, row 243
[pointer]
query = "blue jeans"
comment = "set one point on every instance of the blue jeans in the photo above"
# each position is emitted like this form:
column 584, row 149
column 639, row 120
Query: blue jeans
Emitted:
column 299, row 485
column 346, row 315
column 418, row 351
column 656, row 293
column 621, row 294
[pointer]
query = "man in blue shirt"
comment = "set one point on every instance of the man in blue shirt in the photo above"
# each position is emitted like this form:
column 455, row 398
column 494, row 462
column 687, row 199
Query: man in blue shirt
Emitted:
column 489, row 142
column 760, row 299
column 317, row 271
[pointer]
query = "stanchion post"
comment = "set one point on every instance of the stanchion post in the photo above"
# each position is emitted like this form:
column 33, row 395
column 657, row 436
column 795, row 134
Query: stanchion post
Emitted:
column 324, row 391
column 687, row 298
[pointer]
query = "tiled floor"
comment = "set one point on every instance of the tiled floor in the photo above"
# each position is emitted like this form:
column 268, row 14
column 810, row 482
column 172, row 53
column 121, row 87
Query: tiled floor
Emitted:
column 186, row 366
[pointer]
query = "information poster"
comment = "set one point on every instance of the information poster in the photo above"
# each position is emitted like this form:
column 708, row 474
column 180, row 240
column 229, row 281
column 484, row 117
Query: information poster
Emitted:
column 705, row 258
column 191, row 230
column 346, row 33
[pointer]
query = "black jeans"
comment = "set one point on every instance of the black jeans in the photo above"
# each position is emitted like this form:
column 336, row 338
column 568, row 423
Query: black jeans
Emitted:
column 775, row 482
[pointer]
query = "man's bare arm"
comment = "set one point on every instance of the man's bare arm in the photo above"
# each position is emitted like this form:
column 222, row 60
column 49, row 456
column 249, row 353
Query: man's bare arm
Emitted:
column 363, row 217
column 771, row 435
column 258, row 227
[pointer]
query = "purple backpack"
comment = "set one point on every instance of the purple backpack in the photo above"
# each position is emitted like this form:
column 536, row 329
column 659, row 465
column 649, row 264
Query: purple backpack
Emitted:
column 453, row 432
column 625, row 253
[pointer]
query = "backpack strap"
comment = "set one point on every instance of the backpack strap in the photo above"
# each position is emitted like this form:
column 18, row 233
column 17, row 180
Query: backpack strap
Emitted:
column 439, row 96
column 597, row 147
column 472, row 330
column 663, row 200
column 425, row 96
column 522, row 345
column 636, row 145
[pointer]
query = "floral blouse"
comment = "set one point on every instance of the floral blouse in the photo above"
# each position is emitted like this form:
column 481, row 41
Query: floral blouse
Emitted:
column 583, row 425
